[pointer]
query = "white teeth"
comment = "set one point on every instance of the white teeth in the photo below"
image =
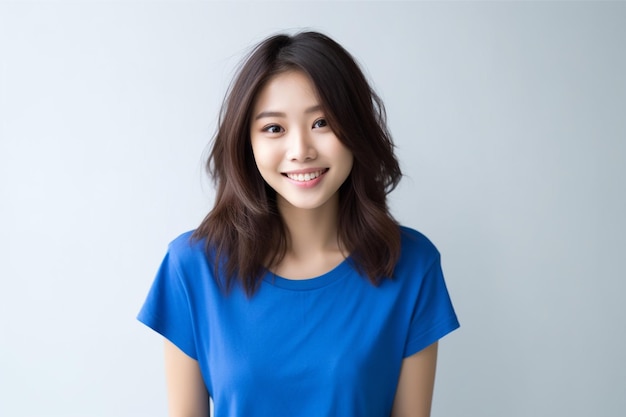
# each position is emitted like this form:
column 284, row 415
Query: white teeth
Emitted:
column 305, row 177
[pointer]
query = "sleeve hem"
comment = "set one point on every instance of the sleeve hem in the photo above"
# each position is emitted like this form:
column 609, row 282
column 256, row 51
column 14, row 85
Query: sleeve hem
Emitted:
column 428, row 338
column 153, row 323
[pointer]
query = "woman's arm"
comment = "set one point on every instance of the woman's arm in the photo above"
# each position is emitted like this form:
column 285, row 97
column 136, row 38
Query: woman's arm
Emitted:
column 186, row 392
column 415, row 386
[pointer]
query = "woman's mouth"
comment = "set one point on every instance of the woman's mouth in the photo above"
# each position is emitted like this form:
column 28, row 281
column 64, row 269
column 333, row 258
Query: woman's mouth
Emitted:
column 303, row 177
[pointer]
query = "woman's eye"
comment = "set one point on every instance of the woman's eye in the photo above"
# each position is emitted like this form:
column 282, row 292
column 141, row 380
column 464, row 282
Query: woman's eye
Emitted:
column 320, row 123
column 273, row 129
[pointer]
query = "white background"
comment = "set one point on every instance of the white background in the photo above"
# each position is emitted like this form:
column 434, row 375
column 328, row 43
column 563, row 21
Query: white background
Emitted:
column 510, row 124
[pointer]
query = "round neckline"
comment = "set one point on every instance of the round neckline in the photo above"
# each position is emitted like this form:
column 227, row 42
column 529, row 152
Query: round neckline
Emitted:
column 338, row 272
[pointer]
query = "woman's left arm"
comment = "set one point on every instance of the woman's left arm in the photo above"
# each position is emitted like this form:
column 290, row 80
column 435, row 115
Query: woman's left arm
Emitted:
column 415, row 386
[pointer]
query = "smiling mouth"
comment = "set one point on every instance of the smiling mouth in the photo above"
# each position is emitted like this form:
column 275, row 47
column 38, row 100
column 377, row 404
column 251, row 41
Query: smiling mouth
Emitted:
column 305, row 177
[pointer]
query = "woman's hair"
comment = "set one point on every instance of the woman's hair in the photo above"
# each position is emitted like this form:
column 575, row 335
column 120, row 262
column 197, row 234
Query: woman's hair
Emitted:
column 244, row 231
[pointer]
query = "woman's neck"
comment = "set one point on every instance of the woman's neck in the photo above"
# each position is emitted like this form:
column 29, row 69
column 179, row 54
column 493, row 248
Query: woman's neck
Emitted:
column 314, row 246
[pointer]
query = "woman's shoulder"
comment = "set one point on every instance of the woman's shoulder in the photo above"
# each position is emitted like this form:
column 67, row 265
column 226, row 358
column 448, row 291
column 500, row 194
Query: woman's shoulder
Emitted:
column 414, row 238
column 188, row 255
column 187, row 246
column 415, row 245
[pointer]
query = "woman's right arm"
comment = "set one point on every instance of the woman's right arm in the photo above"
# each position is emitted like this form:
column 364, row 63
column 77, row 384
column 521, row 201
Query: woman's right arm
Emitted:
column 186, row 393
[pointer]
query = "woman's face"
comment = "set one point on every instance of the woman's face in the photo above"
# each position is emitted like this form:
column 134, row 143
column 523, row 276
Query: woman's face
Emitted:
column 295, row 150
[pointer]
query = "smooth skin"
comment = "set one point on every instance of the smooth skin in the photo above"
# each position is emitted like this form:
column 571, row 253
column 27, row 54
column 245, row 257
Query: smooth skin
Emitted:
column 186, row 393
column 414, row 394
column 289, row 134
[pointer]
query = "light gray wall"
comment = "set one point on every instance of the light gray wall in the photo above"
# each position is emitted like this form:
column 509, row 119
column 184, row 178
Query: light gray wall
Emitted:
column 510, row 125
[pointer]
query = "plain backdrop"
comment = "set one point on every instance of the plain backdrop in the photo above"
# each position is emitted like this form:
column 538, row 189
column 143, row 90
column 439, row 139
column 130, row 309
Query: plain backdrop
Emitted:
column 510, row 124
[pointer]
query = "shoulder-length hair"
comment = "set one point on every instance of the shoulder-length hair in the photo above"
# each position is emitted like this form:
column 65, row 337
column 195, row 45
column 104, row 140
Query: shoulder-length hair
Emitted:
column 244, row 232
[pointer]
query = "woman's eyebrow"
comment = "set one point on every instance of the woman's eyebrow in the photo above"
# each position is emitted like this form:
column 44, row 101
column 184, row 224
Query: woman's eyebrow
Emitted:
column 313, row 109
column 269, row 114
column 263, row 114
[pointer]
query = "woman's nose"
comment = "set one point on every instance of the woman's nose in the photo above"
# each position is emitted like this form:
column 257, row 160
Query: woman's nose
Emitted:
column 300, row 147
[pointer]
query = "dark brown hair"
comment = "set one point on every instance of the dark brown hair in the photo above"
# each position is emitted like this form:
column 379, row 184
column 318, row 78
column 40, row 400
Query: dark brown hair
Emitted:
column 244, row 232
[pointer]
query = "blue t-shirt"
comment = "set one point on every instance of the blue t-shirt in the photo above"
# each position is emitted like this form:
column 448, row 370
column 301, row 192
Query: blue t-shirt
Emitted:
column 326, row 346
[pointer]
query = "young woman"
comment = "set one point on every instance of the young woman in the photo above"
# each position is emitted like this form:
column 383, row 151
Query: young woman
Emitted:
column 299, row 295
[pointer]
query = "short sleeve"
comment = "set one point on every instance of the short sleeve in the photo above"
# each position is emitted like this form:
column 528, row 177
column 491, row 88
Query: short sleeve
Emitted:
column 167, row 307
column 433, row 314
